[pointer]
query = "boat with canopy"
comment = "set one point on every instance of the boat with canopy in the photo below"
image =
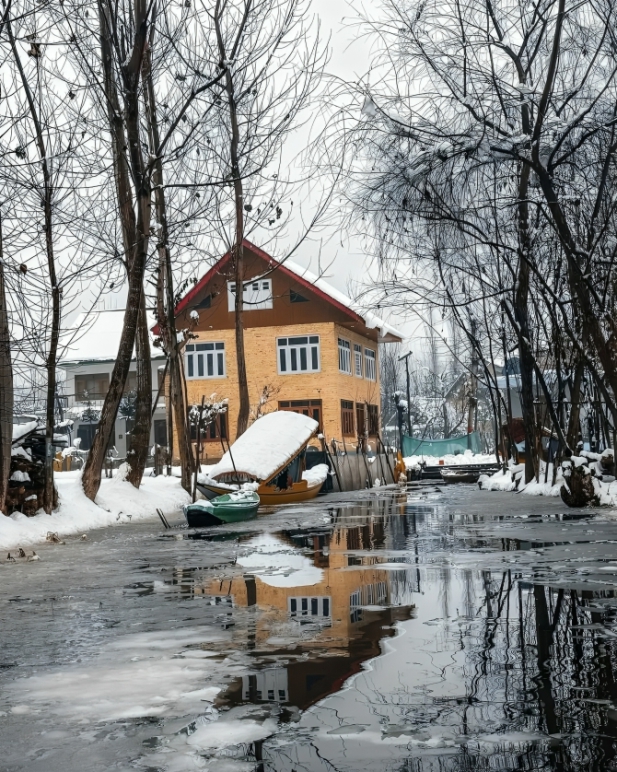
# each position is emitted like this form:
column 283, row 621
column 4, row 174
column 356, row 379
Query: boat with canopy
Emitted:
column 272, row 453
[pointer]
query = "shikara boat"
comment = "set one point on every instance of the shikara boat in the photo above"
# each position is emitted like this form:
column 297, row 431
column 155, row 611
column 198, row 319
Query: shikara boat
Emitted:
column 210, row 489
column 228, row 508
column 272, row 454
column 460, row 476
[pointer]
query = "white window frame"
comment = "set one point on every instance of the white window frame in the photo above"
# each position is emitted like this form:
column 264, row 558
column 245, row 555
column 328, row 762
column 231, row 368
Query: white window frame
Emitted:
column 344, row 356
column 257, row 294
column 358, row 364
column 203, row 356
column 370, row 364
column 289, row 352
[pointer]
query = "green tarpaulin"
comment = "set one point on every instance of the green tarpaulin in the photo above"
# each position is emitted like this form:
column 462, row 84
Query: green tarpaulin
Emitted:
column 414, row 446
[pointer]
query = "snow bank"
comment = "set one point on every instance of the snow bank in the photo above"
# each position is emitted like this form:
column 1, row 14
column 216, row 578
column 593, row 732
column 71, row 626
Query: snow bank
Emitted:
column 117, row 502
column 513, row 480
column 500, row 481
column 267, row 445
column 468, row 457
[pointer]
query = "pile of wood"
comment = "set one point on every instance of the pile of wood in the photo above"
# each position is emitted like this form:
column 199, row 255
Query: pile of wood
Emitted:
column 27, row 475
column 584, row 477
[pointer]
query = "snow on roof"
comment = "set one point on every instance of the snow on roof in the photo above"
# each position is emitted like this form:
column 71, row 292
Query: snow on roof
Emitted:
column 20, row 430
column 320, row 285
column 95, row 337
column 371, row 320
column 267, row 445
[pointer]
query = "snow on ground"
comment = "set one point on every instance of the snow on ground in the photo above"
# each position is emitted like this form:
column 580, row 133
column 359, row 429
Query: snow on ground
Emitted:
column 117, row 502
column 512, row 480
column 468, row 457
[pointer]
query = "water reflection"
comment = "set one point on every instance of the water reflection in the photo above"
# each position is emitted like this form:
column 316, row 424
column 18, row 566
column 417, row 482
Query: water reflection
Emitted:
column 493, row 671
column 313, row 595
column 379, row 650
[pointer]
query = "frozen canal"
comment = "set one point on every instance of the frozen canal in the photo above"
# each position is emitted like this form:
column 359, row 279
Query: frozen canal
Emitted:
column 435, row 631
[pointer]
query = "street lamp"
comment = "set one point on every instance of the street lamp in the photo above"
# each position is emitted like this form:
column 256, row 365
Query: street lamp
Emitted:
column 400, row 359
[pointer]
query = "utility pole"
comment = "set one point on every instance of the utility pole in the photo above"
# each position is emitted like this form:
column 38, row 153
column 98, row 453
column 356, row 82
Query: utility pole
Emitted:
column 472, row 416
column 400, row 359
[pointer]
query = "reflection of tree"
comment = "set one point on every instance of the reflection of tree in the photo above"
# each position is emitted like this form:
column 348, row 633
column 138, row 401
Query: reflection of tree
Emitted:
column 532, row 661
column 546, row 671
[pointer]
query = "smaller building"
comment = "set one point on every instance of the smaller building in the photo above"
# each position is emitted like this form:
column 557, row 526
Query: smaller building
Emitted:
column 86, row 369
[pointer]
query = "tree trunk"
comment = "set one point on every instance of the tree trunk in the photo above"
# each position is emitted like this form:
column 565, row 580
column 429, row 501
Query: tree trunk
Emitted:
column 180, row 414
column 176, row 407
column 244, row 409
column 521, row 314
column 6, row 388
column 140, row 436
column 49, row 493
column 135, row 230
column 50, row 496
column 238, row 247
column 574, row 423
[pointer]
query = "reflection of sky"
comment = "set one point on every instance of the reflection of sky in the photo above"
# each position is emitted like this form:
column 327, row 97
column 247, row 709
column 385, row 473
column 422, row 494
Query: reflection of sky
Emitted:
column 278, row 564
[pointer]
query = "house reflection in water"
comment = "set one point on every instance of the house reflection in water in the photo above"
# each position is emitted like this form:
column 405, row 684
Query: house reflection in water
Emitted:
column 336, row 606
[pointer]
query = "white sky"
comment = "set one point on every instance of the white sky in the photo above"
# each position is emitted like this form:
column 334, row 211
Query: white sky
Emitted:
column 344, row 262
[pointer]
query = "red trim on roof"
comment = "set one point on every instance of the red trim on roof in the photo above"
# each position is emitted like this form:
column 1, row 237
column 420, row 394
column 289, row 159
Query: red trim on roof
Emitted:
column 216, row 268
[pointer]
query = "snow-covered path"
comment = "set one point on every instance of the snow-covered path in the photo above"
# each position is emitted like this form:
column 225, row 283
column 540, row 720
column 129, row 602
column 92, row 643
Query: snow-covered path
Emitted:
column 117, row 503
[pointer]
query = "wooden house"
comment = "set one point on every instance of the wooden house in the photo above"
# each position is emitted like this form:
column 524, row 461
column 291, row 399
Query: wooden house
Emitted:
column 309, row 348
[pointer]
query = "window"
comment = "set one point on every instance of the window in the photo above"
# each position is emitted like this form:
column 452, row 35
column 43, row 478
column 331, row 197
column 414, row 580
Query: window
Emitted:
column 86, row 432
column 205, row 360
column 296, row 297
column 314, row 607
column 344, row 356
column 369, row 364
column 310, row 407
column 357, row 356
column 347, row 422
column 130, row 383
column 373, row 420
column 298, row 355
column 214, row 431
column 257, row 294
column 360, row 418
column 92, row 386
column 160, row 432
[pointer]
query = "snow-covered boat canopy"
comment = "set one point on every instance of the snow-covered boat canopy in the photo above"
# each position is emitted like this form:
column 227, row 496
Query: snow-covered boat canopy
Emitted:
column 266, row 447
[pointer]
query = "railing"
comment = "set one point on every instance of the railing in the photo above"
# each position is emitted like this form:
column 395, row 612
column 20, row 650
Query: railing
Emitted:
column 96, row 399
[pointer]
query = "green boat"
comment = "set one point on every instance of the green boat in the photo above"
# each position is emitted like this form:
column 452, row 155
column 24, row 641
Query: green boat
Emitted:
column 229, row 508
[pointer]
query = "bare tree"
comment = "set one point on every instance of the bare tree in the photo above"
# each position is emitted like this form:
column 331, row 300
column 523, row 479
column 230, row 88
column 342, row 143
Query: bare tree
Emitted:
column 271, row 63
column 6, row 386
column 491, row 171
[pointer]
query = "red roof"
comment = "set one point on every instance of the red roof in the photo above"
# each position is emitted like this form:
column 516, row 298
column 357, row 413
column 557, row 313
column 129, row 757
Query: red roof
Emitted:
column 192, row 294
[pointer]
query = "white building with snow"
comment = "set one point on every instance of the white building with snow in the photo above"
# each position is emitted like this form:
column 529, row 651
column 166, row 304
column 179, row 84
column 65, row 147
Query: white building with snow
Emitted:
column 85, row 373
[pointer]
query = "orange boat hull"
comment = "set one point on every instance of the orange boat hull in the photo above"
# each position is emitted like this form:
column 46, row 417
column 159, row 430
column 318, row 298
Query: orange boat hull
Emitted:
column 300, row 491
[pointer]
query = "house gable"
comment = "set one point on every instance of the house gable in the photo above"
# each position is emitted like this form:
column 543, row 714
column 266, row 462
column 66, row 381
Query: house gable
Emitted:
column 294, row 299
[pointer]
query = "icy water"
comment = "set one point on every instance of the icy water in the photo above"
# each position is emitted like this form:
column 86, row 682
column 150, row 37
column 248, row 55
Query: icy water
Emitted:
column 433, row 631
